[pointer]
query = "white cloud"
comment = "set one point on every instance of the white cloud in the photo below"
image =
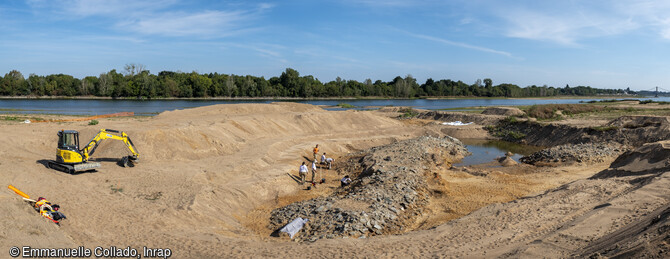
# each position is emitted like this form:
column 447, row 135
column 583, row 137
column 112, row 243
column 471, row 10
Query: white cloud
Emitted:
column 568, row 23
column 85, row 8
column 651, row 14
column 563, row 27
column 271, row 51
column 459, row 44
column 155, row 17
column 387, row 3
column 208, row 23
column 264, row 6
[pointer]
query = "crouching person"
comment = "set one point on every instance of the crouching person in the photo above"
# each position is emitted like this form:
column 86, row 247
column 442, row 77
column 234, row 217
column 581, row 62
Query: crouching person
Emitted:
column 345, row 181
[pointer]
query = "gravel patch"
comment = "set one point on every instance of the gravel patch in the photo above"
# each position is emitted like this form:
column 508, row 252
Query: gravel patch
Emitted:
column 579, row 153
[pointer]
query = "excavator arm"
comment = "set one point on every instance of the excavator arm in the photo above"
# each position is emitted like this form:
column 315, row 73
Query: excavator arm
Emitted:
column 89, row 149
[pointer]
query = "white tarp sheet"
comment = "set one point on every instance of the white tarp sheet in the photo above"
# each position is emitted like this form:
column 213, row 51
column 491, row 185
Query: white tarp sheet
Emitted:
column 293, row 227
column 456, row 123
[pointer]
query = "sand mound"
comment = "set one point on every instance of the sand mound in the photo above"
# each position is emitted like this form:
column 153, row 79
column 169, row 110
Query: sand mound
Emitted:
column 631, row 122
column 506, row 111
column 507, row 161
column 650, row 158
column 220, row 130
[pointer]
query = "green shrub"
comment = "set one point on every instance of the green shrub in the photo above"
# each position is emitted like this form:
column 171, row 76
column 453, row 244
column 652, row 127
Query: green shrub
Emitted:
column 604, row 128
column 650, row 101
column 115, row 189
column 93, row 122
column 408, row 113
column 346, row 105
column 510, row 119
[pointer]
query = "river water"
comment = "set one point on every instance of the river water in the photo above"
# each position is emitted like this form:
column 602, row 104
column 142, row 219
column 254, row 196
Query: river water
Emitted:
column 485, row 151
column 153, row 107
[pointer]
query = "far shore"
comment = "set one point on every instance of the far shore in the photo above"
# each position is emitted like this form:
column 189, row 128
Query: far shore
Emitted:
column 90, row 97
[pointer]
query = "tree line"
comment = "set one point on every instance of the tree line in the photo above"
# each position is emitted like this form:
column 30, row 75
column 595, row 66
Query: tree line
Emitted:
column 136, row 81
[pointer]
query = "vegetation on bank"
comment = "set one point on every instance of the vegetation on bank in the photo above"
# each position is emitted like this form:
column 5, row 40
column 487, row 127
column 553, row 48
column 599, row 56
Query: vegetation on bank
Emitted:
column 651, row 101
column 624, row 100
column 604, row 128
column 556, row 111
column 548, row 112
column 19, row 118
column 505, row 131
column 137, row 82
column 408, row 113
column 346, row 105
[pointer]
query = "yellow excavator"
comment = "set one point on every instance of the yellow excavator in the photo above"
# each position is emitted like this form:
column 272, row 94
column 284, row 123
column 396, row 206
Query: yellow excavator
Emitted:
column 71, row 159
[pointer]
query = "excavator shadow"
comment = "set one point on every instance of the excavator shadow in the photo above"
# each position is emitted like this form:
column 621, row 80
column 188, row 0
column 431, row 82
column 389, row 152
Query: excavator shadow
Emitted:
column 122, row 162
column 45, row 163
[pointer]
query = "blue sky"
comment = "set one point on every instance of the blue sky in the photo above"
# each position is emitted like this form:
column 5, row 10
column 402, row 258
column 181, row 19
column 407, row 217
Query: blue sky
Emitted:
column 605, row 44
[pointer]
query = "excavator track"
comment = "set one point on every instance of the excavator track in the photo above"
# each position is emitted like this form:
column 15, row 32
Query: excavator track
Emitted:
column 71, row 169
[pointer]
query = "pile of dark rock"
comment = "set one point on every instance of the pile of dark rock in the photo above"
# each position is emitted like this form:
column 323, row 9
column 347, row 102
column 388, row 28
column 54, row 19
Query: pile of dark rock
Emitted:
column 579, row 153
column 388, row 191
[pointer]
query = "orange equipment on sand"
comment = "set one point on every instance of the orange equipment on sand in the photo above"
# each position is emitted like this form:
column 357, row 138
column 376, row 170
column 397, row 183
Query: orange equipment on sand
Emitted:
column 19, row 192
column 41, row 205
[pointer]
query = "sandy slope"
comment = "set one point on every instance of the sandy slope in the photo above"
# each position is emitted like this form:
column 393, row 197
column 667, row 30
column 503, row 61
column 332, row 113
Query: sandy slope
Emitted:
column 203, row 170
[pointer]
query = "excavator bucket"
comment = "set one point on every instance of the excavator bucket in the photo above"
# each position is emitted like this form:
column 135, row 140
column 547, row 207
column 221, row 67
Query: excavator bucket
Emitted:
column 128, row 161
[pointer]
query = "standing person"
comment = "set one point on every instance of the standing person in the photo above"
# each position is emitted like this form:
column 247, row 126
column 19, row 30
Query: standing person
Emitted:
column 316, row 151
column 303, row 173
column 313, row 170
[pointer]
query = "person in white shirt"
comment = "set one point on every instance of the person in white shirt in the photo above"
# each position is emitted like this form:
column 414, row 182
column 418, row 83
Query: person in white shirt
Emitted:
column 330, row 161
column 326, row 161
column 303, row 173
column 313, row 169
column 345, row 181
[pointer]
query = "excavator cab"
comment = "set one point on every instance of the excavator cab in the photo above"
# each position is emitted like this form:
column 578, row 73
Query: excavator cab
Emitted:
column 68, row 147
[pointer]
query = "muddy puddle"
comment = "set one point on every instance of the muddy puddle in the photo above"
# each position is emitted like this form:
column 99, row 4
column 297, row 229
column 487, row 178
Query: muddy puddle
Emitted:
column 485, row 151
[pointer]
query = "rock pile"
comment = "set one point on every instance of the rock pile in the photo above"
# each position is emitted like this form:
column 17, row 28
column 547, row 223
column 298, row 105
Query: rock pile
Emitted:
column 580, row 153
column 650, row 158
column 389, row 191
